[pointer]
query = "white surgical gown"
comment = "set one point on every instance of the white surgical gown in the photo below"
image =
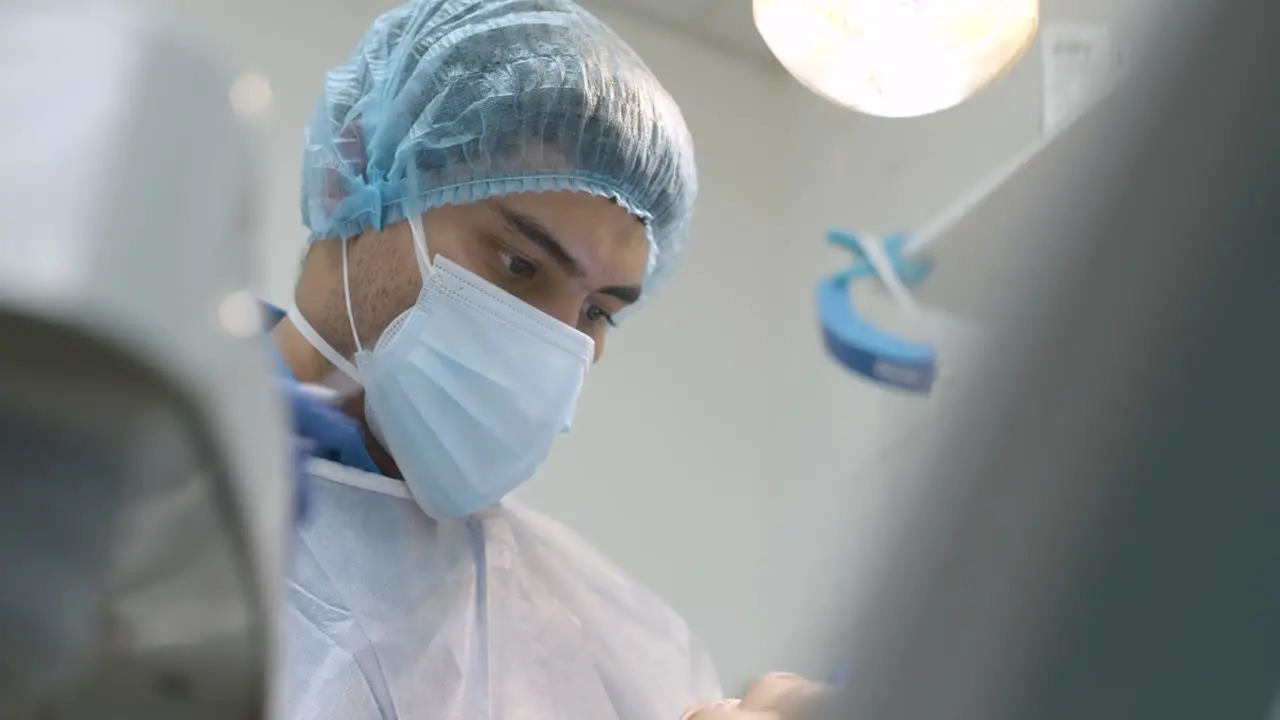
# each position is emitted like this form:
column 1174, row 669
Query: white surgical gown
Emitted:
column 502, row 616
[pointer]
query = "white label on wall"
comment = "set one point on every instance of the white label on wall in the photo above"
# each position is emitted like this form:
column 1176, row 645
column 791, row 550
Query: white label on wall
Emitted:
column 1079, row 61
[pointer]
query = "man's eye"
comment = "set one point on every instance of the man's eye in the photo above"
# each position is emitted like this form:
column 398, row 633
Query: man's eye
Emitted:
column 516, row 265
column 596, row 314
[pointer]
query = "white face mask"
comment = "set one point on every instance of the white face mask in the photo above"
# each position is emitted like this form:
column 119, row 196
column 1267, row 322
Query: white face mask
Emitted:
column 467, row 388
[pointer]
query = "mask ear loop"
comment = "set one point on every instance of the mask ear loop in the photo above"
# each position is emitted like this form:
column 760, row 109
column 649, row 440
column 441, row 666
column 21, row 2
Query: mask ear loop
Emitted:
column 414, row 216
column 346, row 292
column 419, row 244
column 424, row 266
column 321, row 345
column 318, row 342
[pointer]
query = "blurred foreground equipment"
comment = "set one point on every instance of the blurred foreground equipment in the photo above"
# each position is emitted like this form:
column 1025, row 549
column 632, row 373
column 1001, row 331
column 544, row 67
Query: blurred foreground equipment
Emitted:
column 144, row 503
column 1099, row 537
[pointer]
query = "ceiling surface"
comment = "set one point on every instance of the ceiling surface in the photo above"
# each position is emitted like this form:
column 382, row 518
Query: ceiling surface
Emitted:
column 725, row 25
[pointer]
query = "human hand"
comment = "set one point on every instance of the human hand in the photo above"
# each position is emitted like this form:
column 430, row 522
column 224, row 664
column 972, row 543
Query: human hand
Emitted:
column 776, row 696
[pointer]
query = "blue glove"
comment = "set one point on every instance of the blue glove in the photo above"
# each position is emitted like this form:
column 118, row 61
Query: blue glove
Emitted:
column 322, row 431
column 319, row 430
column 315, row 424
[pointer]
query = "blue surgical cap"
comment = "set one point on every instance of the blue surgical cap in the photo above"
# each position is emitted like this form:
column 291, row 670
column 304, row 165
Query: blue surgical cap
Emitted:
column 453, row 102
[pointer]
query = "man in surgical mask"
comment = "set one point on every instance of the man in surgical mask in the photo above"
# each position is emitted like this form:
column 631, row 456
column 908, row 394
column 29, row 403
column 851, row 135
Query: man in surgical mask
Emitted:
column 490, row 186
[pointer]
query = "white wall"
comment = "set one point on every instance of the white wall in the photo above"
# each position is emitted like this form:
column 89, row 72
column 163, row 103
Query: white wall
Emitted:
column 718, row 455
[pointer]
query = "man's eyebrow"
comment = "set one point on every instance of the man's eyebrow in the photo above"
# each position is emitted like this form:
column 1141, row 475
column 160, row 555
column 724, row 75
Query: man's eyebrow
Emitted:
column 538, row 234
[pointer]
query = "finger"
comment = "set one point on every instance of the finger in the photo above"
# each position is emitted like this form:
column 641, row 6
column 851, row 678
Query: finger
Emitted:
column 713, row 710
column 316, row 420
column 770, row 691
column 692, row 712
column 725, row 712
column 806, row 700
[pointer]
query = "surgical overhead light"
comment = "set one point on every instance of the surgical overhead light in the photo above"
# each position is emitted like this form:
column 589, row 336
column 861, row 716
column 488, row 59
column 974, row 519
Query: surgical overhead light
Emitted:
column 897, row 58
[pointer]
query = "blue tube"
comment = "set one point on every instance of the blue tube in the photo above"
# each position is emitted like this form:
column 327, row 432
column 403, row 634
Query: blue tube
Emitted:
column 840, row 676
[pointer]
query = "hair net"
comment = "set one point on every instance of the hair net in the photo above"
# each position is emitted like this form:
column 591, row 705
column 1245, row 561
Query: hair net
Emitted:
column 457, row 101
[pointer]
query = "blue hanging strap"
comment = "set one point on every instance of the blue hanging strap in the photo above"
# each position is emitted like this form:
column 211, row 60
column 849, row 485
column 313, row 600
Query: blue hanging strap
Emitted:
column 856, row 344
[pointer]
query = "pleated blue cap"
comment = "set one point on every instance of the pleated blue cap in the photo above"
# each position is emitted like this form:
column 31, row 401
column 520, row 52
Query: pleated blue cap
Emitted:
column 453, row 102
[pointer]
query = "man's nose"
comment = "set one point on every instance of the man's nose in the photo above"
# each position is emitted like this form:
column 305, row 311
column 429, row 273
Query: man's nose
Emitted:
column 565, row 307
